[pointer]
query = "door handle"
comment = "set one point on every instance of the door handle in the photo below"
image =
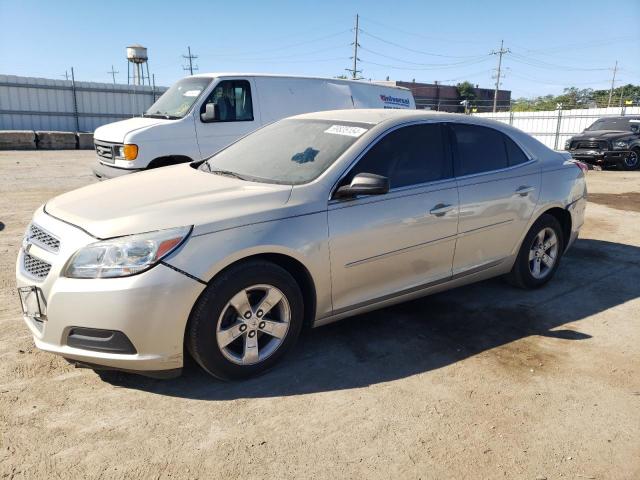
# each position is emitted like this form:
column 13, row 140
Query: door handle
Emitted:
column 440, row 209
column 524, row 190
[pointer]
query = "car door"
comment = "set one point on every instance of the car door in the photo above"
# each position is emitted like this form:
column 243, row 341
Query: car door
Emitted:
column 383, row 245
column 499, row 187
column 237, row 112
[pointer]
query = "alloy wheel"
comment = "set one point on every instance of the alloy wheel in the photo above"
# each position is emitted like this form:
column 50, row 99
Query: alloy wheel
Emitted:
column 632, row 159
column 543, row 253
column 253, row 324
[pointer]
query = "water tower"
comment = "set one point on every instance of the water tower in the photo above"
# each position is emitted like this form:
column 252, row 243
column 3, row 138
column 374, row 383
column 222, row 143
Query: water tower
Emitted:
column 137, row 61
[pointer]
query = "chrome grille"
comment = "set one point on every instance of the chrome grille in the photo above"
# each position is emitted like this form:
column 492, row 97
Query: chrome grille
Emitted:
column 35, row 267
column 104, row 151
column 589, row 145
column 43, row 239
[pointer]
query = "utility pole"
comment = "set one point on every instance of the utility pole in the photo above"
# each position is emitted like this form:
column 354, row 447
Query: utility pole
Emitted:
column 500, row 52
column 613, row 81
column 66, row 75
column 191, row 66
column 113, row 74
column 354, row 71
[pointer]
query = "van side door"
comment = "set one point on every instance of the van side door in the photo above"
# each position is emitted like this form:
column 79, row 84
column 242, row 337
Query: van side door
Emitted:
column 237, row 115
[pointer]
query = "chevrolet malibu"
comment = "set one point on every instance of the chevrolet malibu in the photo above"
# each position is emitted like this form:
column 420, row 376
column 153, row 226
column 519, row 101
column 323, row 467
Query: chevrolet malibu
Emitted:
column 306, row 221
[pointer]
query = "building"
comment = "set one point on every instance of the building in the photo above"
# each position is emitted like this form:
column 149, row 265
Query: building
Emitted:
column 445, row 98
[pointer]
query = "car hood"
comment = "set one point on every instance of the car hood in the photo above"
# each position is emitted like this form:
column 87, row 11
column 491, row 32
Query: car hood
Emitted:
column 602, row 135
column 117, row 131
column 168, row 197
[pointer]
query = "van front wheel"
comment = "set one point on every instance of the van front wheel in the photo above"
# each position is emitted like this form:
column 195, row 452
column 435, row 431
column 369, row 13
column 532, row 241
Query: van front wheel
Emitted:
column 245, row 320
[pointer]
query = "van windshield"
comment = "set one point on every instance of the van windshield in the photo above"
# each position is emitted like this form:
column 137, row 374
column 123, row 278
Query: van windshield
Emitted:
column 291, row 151
column 620, row 124
column 178, row 100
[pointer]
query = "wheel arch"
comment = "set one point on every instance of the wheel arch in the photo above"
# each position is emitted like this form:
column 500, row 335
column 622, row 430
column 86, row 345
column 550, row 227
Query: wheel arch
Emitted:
column 564, row 219
column 295, row 268
column 167, row 160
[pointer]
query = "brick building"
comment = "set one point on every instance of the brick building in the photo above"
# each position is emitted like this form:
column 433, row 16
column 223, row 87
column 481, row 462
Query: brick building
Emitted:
column 445, row 98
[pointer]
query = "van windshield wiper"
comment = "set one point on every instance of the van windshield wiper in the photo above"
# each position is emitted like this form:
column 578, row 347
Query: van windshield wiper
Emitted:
column 160, row 115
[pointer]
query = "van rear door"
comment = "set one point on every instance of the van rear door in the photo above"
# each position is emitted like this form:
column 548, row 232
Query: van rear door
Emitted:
column 237, row 115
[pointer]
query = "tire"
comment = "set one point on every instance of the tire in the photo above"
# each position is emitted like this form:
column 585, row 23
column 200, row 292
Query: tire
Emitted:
column 216, row 319
column 632, row 162
column 532, row 251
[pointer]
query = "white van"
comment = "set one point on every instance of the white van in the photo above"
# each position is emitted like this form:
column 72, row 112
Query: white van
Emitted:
column 201, row 114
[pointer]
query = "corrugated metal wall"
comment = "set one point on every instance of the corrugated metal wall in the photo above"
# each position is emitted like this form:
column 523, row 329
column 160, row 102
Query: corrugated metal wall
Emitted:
column 28, row 103
column 554, row 127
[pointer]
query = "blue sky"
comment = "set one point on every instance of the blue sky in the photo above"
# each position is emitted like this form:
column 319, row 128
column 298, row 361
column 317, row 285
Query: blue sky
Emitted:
column 551, row 42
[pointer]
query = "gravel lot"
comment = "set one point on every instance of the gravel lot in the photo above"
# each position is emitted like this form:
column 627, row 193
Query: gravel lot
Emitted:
column 482, row 382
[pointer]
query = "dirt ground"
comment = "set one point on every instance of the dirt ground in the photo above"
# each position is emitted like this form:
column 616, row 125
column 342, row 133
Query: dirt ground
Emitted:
column 482, row 382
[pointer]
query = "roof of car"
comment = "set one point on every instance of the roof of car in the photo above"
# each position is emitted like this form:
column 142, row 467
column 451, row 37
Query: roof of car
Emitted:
column 375, row 116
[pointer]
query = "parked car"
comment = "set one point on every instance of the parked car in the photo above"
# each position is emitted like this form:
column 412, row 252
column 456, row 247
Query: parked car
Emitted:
column 609, row 141
column 306, row 221
column 201, row 114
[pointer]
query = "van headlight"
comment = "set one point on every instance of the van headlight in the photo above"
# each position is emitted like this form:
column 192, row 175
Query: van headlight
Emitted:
column 124, row 256
column 567, row 144
column 128, row 151
column 620, row 145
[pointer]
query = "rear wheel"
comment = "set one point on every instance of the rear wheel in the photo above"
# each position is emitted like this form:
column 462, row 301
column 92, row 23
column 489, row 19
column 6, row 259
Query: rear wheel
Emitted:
column 539, row 254
column 245, row 320
column 632, row 162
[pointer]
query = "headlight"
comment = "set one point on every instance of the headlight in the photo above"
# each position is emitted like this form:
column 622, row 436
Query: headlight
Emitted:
column 620, row 145
column 567, row 144
column 124, row 256
column 128, row 151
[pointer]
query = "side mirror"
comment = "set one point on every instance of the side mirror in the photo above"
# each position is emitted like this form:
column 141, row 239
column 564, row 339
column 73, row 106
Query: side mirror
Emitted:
column 364, row 184
column 211, row 113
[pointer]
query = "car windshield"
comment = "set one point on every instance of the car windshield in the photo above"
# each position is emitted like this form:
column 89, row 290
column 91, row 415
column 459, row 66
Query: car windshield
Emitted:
column 618, row 124
column 291, row 151
column 176, row 102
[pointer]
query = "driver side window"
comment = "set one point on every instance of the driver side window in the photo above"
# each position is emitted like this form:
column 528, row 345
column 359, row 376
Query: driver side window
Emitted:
column 407, row 156
column 233, row 101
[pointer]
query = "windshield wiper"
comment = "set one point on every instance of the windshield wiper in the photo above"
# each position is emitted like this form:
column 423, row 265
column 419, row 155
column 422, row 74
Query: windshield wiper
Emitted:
column 160, row 115
column 226, row 173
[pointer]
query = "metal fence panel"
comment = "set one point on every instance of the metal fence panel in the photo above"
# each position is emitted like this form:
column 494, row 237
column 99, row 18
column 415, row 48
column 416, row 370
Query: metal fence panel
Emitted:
column 28, row 103
column 554, row 127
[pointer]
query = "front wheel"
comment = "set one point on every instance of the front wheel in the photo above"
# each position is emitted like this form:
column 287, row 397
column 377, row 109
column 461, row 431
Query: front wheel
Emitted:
column 245, row 320
column 539, row 254
column 632, row 162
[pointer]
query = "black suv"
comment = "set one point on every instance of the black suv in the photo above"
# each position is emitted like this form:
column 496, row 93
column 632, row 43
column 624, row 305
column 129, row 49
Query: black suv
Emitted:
column 609, row 141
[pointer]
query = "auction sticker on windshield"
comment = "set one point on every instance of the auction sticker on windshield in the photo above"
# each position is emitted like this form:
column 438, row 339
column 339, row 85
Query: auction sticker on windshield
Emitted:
column 345, row 130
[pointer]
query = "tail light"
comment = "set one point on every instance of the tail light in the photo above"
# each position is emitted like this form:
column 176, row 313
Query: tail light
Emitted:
column 582, row 166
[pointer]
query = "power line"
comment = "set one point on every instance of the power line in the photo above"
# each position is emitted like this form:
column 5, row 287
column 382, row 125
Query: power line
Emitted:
column 500, row 52
column 354, row 71
column 66, row 75
column 434, row 65
column 113, row 74
column 190, row 57
column 415, row 50
column 613, row 81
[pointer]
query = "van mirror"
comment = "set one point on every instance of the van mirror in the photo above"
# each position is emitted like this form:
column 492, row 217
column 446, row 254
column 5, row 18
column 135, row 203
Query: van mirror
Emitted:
column 211, row 113
column 364, row 184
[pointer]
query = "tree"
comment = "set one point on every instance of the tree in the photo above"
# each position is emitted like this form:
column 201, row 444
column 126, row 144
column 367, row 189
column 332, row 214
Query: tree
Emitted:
column 466, row 91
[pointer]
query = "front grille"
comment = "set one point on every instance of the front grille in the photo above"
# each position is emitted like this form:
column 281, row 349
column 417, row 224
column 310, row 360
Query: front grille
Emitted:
column 43, row 239
column 589, row 145
column 35, row 267
column 104, row 151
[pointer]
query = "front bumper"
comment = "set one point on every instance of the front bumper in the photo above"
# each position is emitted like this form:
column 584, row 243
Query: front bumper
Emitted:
column 151, row 309
column 600, row 157
column 103, row 171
